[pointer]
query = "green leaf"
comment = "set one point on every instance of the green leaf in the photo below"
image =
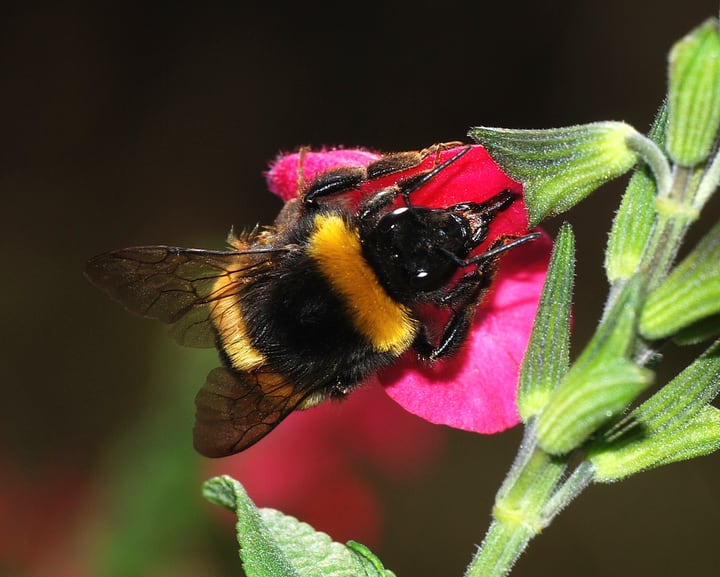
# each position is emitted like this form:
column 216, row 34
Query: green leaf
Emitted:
column 635, row 218
column 261, row 554
column 273, row 544
column 694, row 95
column 313, row 553
column 559, row 167
column 548, row 354
column 700, row 436
column 689, row 294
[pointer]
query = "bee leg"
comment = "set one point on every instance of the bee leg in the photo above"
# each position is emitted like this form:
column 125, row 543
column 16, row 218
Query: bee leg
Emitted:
column 370, row 208
column 462, row 299
column 453, row 336
column 470, row 288
column 334, row 182
column 504, row 243
column 373, row 205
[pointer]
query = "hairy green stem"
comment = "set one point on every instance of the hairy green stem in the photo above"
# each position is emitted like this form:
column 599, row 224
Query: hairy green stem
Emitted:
column 675, row 214
column 654, row 158
column 518, row 509
column 502, row 546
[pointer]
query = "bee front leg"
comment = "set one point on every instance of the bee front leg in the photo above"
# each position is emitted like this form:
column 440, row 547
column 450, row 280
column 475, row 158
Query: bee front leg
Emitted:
column 462, row 299
column 454, row 334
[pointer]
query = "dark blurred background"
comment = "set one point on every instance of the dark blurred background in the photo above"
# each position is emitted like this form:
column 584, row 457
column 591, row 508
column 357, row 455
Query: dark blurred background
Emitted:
column 127, row 123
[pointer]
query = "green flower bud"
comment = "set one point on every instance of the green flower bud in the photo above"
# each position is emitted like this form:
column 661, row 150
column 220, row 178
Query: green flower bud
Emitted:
column 694, row 95
column 636, row 215
column 677, row 402
column 699, row 437
column 587, row 399
column 690, row 293
column 548, row 354
column 600, row 384
column 673, row 424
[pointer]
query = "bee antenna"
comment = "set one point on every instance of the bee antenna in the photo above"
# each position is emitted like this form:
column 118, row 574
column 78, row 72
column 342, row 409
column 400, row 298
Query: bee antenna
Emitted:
column 493, row 252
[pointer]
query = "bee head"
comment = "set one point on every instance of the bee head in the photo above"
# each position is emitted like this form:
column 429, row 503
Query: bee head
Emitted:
column 416, row 251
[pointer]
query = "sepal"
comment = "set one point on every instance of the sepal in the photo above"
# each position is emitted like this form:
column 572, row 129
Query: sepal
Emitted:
column 700, row 436
column 548, row 353
column 694, row 95
column 586, row 400
column 691, row 292
column 679, row 400
column 674, row 424
column 559, row 167
column 634, row 220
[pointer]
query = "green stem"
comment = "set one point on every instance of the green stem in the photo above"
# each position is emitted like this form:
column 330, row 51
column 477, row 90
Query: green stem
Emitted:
column 654, row 158
column 501, row 547
column 675, row 214
column 518, row 512
column 528, row 501
column 575, row 484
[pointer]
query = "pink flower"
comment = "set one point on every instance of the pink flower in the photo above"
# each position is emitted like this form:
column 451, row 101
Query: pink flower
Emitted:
column 475, row 390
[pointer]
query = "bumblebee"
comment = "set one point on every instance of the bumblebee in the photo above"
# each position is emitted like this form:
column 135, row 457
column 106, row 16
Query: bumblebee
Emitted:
column 309, row 308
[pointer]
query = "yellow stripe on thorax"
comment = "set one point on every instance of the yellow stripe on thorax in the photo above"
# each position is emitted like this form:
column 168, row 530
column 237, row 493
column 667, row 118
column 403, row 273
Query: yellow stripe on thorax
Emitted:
column 335, row 247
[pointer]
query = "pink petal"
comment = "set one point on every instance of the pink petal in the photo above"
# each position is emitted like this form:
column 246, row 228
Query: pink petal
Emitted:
column 477, row 390
column 289, row 170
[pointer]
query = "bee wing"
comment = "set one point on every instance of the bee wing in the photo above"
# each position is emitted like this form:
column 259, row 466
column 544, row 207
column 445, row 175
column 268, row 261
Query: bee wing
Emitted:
column 237, row 409
column 175, row 285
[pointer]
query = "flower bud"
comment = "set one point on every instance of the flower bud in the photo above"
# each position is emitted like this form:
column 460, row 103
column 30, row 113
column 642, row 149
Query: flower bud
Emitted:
column 699, row 437
column 694, row 95
column 689, row 294
column 547, row 357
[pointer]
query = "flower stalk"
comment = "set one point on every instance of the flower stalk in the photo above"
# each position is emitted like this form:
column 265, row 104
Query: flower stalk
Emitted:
column 518, row 510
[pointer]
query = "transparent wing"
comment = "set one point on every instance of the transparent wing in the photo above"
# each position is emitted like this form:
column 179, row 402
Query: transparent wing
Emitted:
column 178, row 286
column 237, row 409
